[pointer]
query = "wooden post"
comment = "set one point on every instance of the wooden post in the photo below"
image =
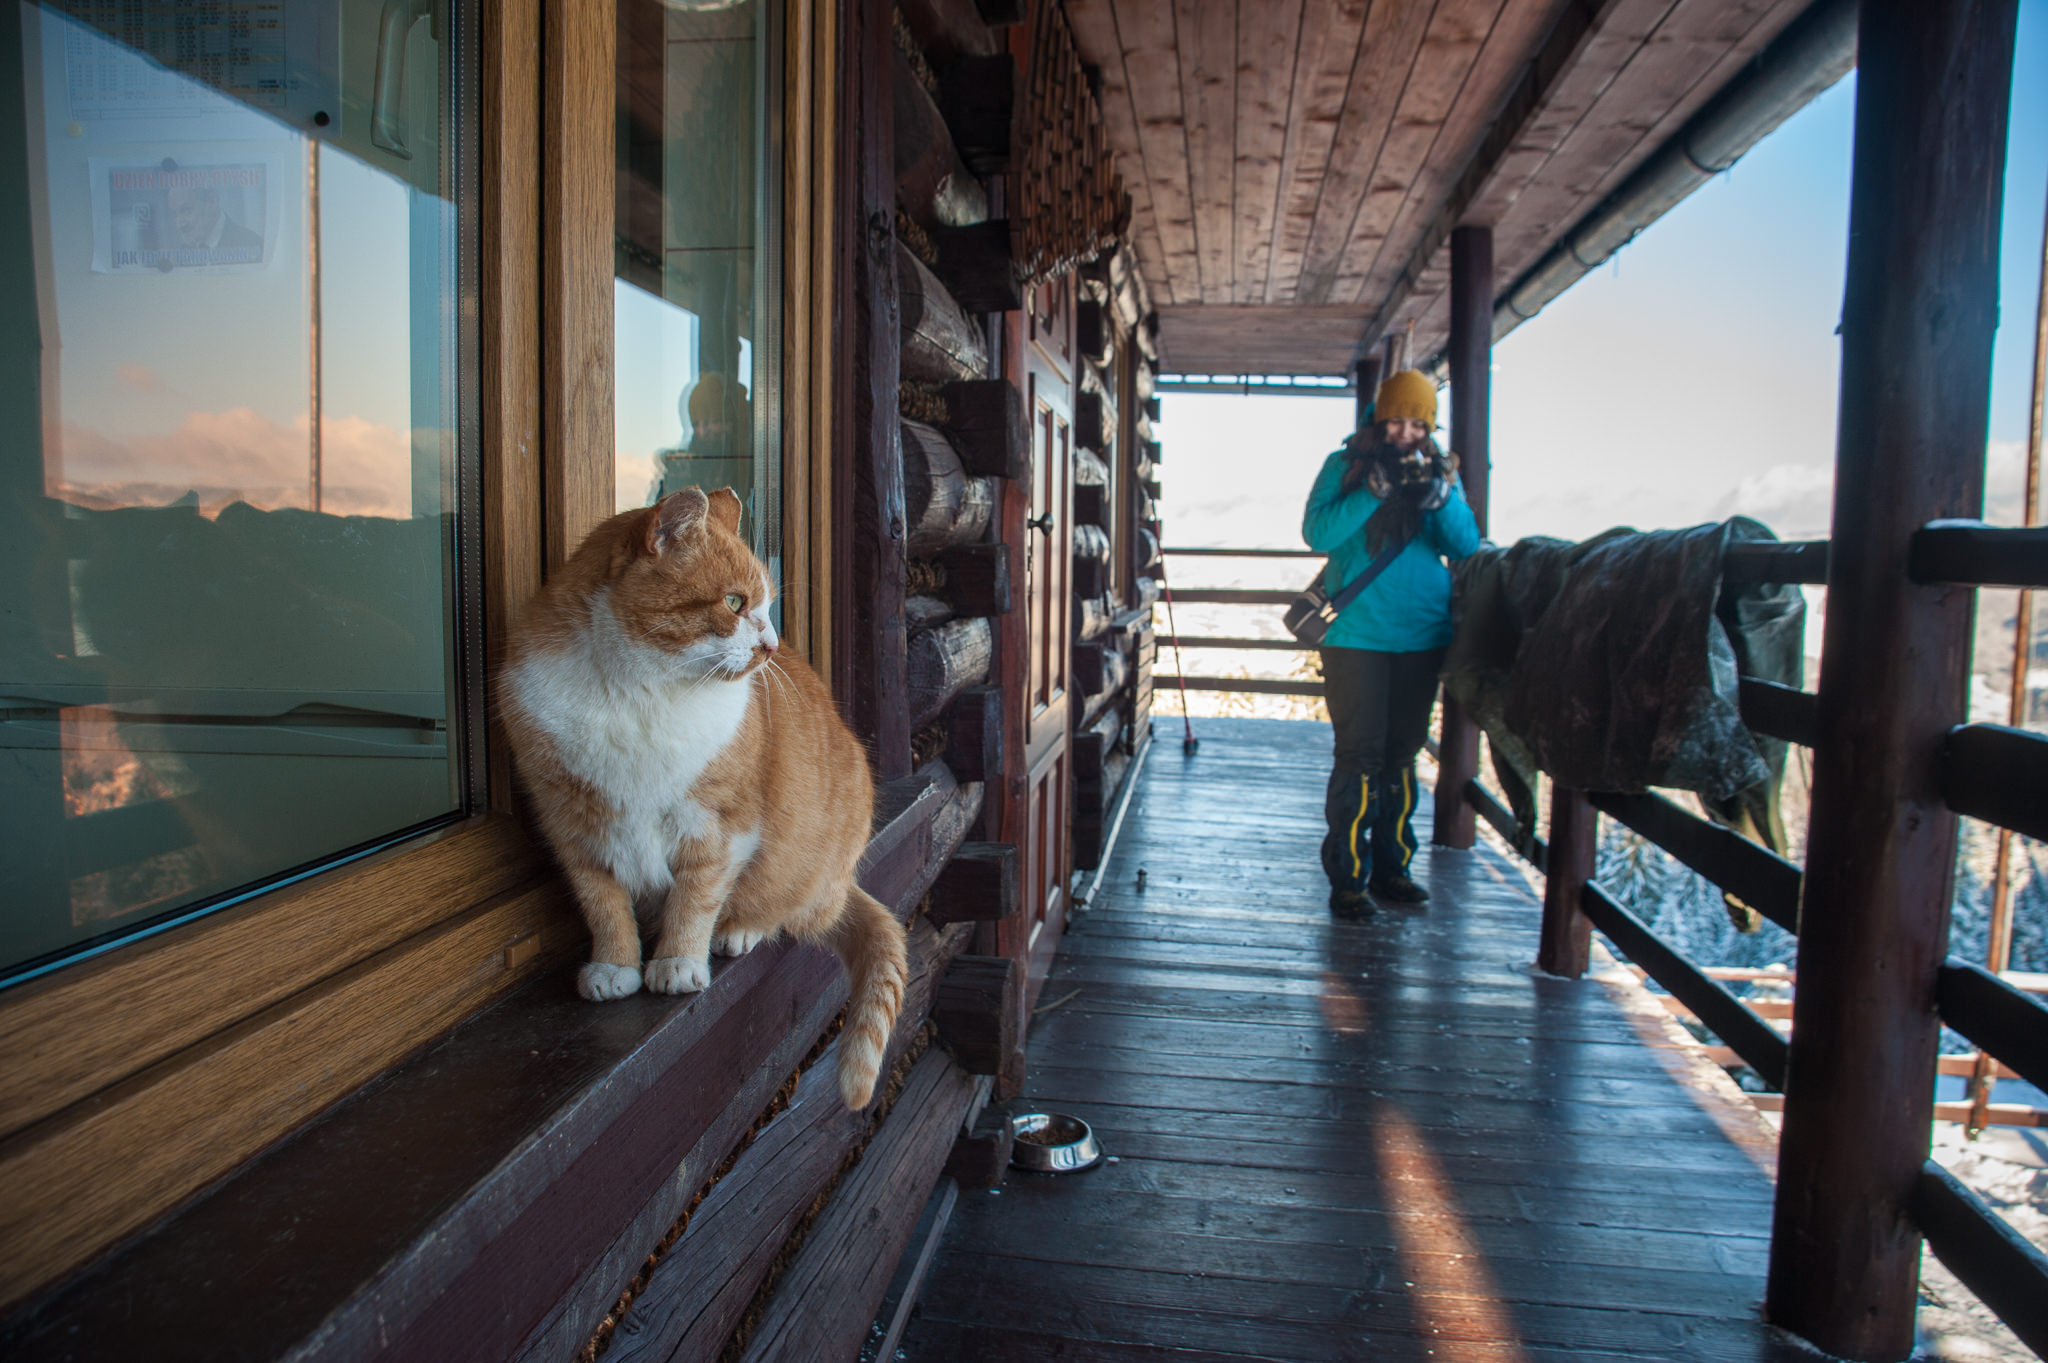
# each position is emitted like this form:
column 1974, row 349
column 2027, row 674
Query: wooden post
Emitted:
column 1365, row 377
column 1567, row 940
column 880, row 709
column 1919, row 307
column 1471, row 356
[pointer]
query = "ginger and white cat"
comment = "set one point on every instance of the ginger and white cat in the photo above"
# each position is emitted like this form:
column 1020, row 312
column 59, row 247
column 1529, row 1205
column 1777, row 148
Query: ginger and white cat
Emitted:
column 692, row 777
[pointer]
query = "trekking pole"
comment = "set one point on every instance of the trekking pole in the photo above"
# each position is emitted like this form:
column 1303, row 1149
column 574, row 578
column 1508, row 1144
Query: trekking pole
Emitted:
column 1180, row 668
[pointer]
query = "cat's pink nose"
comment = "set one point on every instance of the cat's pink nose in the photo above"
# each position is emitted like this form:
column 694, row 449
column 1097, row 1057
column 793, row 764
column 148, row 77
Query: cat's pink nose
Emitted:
column 768, row 647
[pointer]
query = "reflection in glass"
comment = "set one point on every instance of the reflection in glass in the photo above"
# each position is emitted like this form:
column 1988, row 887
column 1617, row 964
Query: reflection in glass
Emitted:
column 697, row 296
column 227, row 439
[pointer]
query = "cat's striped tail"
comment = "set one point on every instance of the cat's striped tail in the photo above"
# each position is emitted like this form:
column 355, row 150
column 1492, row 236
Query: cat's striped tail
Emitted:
column 870, row 940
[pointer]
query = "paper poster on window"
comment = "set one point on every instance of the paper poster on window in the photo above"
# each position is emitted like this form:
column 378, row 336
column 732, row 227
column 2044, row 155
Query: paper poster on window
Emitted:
column 184, row 214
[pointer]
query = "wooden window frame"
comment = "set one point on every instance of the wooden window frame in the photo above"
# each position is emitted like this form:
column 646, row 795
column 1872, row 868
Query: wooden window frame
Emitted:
column 130, row 1082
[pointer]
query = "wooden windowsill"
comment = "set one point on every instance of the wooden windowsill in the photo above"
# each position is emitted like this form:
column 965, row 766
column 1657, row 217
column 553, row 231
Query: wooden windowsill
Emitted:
column 532, row 1133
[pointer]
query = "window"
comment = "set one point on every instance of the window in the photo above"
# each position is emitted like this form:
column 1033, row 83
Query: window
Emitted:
column 237, row 444
column 698, row 292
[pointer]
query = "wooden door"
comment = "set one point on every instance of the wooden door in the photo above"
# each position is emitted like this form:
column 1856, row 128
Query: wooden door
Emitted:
column 1048, row 365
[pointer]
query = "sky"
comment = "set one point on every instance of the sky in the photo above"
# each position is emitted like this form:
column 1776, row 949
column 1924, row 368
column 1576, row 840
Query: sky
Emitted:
column 1690, row 378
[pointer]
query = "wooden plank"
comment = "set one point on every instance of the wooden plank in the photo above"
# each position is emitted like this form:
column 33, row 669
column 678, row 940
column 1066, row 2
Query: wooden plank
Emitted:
column 1264, row 338
column 1326, row 58
column 1235, row 596
column 1752, row 873
column 1777, row 711
column 1369, row 270
column 509, row 340
column 1921, row 299
column 1095, row 37
column 1471, row 355
column 828, row 1295
column 1149, row 54
column 1267, row 31
column 1739, row 1024
column 80, row 1031
column 1251, row 686
column 2001, row 1020
column 1390, row 55
column 981, row 884
column 577, row 171
column 1770, row 561
column 111, row 1166
column 1569, row 32
column 1974, row 554
column 705, row 1283
column 1205, row 35
column 2008, row 1274
column 876, row 584
column 1565, row 943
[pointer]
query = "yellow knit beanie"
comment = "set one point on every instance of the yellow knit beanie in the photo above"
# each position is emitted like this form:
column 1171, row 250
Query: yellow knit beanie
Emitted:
column 1407, row 394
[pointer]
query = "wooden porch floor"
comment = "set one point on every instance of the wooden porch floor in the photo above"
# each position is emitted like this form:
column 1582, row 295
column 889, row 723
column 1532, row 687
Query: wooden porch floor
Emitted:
column 1385, row 1140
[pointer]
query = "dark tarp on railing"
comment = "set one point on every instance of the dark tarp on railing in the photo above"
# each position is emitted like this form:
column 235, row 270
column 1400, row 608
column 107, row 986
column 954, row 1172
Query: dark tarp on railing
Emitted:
column 1614, row 666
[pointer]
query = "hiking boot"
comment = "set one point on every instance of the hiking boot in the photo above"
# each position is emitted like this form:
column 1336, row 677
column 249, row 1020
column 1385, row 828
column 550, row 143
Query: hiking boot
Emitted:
column 1349, row 905
column 1399, row 890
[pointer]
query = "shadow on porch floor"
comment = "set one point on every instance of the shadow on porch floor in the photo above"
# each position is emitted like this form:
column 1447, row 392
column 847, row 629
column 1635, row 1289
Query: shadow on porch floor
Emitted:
column 1332, row 1141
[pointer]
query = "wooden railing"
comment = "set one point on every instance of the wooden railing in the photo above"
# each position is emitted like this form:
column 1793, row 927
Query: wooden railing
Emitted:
column 1989, row 772
column 1272, row 598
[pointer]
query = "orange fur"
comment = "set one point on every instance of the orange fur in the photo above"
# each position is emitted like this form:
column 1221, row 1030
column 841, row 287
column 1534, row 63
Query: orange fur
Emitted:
column 758, row 795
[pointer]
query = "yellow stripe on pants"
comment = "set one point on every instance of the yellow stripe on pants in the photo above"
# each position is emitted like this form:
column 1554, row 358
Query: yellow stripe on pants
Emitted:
column 1407, row 809
column 1364, row 799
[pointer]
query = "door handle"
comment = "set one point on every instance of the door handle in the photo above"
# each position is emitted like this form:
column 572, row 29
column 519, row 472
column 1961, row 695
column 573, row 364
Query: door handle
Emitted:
column 1043, row 524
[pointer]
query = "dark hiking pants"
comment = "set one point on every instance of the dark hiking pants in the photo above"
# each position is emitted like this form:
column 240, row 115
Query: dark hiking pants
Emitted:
column 1379, row 705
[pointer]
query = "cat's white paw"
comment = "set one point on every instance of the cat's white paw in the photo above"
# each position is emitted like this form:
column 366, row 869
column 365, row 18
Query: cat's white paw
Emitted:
column 600, row 982
column 738, row 942
column 678, row 975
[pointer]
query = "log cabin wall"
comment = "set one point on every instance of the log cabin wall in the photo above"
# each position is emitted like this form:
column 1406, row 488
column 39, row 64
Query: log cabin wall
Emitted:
column 666, row 1174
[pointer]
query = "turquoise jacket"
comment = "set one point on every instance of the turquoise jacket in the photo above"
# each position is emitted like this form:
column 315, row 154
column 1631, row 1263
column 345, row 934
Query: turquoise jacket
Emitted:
column 1408, row 609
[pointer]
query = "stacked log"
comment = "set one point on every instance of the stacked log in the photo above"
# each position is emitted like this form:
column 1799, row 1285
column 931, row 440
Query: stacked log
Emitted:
column 933, row 184
column 1091, row 560
column 942, row 506
column 941, row 343
column 944, row 661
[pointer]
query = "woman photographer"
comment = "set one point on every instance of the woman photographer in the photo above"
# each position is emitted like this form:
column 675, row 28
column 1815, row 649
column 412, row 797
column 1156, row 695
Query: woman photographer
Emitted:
column 1389, row 494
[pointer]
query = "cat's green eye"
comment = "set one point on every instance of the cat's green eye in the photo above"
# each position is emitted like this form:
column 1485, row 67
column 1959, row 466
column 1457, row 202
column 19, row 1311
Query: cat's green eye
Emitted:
column 735, row 603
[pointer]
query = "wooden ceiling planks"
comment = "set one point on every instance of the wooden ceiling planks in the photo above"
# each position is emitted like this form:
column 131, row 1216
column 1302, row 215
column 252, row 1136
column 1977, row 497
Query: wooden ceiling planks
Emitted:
column 1451, row 47
column 1325, row 57
column 1393, row 39
column 1312, row 153
column 1148, row 47
column 1206, row 35
column 1288, row 339
column 1690, row 50
column 1370, row 269
column 1268, row 34
column 1094, row 25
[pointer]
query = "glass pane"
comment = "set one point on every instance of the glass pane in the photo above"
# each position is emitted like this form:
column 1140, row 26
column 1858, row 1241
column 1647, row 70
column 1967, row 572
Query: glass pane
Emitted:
column 228, row 437
column 698, row 292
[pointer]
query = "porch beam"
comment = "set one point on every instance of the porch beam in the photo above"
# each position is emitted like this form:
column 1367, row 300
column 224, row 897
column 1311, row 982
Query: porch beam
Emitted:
column 1471, row 355
column 880, row 643
column 1365, row 379
column 1920, row 307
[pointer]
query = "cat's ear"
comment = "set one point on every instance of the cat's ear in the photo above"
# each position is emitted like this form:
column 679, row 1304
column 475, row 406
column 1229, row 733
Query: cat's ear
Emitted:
column 675, row 516
column 725, row 509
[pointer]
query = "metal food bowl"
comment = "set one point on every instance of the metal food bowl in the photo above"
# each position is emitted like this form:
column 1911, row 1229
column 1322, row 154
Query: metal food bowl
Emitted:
column 1053, row 1143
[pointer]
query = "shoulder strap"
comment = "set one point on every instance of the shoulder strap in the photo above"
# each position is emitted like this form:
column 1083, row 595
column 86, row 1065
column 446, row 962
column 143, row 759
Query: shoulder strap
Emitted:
column 1372, row 571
